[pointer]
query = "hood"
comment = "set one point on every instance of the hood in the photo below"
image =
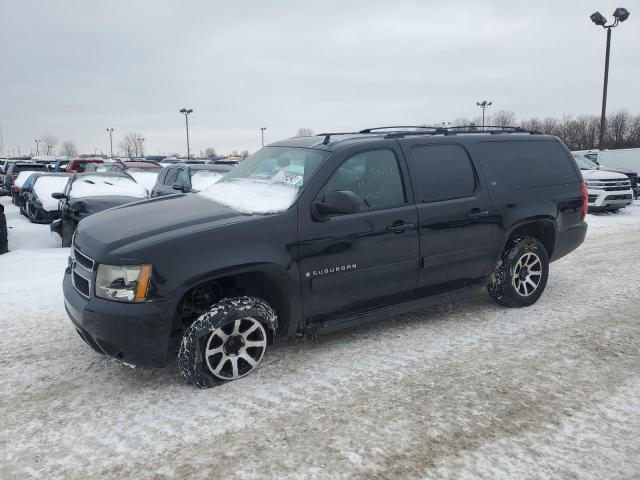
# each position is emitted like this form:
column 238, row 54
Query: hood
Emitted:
column 91, row 205
column 602, row 175
column 619, row 170
column 149, row 221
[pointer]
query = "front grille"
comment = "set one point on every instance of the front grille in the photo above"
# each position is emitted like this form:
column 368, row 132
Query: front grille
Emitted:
column 81, row 284
column 83, row 260
column 593, row 198
column 82, row 272
column 611, row 185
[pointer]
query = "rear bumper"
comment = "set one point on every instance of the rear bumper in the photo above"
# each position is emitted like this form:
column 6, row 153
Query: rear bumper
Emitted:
column 136, row 334
column 568, row 240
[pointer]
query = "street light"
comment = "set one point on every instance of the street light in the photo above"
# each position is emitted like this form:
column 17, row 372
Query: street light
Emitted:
column 110, row 130
column 483, row 105
column 186, row 113
column 262, row 129
column 620, row 15
column 37, row 146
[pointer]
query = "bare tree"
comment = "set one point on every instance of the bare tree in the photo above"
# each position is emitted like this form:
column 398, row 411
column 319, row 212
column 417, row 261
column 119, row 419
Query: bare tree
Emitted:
column 68, row 149
column 49, row 141
column 210, row 152
column 502, row 118
column 133, row 145
column 244, row 153
column 304, row 132
column 234, row 153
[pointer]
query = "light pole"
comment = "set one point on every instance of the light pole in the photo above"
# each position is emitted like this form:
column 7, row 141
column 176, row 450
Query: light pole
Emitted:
column 110, row 130
column 186, row 113
column 37, row 146
column 483, row 105
column 620, row 15
column 262, row 129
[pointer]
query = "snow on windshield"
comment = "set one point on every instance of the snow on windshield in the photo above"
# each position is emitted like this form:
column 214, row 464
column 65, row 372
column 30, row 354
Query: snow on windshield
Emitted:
column 99, row 186
column 22, row 177
column 146, row 177
column 252, row 196
column 203, row 179
column 45, row 186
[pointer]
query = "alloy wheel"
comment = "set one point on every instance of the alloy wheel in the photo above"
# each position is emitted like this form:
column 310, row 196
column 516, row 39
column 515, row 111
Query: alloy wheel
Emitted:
column 235, row 350
column 527, row 274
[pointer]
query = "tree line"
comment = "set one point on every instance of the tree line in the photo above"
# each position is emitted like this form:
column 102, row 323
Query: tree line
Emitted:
column 582, row 132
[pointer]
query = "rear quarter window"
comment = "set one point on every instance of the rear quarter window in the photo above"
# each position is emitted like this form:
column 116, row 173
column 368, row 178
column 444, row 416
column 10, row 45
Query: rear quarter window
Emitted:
column 520, row 164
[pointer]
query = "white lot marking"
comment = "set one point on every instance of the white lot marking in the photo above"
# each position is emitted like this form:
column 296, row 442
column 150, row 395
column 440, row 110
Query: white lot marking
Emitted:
column 463, row 390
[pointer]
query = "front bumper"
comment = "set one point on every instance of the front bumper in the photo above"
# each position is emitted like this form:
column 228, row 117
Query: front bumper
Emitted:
column 134, row 333
column 601, row 199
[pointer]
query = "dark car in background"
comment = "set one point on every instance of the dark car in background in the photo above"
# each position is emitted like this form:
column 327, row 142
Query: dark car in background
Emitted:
column 37, row 202
column 24, row 191
column 89, row 193
column 13, row 169
column 188, row 178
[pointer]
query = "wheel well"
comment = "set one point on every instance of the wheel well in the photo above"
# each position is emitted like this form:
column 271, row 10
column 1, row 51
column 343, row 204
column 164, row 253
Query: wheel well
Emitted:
column 268, row 286
column 542, row 230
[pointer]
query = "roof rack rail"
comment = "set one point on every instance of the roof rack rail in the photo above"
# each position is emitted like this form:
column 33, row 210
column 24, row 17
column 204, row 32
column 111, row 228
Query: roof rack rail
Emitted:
column 422, row 127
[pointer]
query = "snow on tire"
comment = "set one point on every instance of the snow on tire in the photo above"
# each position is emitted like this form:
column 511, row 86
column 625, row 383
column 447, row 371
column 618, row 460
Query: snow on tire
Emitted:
column 521, row 273
column 226, row 342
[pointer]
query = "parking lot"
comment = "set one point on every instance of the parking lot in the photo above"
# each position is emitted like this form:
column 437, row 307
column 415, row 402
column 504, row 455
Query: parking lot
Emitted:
column 465, row 389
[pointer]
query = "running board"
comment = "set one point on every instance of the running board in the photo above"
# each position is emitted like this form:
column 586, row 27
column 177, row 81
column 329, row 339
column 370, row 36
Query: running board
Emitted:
column 338, row 323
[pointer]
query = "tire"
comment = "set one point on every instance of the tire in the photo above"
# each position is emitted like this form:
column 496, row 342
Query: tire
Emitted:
column 66, row 232
column 521, row 274
column 226, row 342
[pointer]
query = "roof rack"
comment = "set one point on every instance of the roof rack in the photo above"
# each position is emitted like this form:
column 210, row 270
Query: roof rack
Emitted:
column 400, row 130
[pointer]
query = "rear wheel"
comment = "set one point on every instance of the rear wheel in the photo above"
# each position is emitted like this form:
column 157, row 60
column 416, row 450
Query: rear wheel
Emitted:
column 521, row 274
column 227, row 342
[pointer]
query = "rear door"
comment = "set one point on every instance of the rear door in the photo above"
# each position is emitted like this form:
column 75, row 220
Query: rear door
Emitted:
column 454, row 212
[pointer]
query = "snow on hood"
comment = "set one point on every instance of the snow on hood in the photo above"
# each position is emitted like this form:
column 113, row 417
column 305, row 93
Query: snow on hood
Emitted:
column 252, row 196
column 45, row 186
column 203, row 179
column 98, row 186
column 602, row 175
column 146, row 179
column 22, row 177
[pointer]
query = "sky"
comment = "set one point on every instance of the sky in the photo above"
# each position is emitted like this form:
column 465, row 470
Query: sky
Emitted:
column 72, row 69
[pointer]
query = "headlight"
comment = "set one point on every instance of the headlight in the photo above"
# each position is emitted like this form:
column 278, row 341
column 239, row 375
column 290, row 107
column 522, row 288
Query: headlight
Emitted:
column 123, row 283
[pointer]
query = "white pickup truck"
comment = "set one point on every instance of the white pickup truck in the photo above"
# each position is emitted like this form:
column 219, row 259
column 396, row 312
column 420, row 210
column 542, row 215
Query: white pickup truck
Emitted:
column 607, row 190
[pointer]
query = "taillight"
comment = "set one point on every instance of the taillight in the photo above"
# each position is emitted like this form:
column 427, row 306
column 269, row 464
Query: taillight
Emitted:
column 585, row 200
column 13, row 175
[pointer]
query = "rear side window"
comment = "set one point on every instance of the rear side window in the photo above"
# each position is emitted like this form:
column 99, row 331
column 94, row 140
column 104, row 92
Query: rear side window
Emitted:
column 521, row 164
column 441, row 172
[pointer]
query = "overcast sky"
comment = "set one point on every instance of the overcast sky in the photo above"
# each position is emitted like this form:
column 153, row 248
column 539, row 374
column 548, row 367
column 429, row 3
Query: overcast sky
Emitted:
column 73, row 68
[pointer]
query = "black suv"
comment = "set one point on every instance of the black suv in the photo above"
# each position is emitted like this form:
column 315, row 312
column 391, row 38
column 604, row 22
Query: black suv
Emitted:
column 314, row 234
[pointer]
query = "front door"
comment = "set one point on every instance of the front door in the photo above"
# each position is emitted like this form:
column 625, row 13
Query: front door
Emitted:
column 356, row 261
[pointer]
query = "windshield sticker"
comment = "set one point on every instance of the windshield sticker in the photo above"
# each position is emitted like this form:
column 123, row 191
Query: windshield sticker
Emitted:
column 290, row 178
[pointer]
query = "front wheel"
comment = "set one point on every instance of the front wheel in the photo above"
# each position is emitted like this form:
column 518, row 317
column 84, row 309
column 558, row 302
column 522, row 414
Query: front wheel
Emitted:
column 227, row 342
column 521, row 274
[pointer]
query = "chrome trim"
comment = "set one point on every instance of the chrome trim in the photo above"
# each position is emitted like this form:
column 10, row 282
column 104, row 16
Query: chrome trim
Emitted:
column 81, row 270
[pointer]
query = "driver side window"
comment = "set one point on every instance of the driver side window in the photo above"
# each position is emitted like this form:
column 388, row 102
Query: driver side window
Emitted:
column 374, row 177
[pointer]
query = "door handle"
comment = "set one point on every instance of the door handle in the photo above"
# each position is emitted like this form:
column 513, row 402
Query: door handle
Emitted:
column 399, row 227
column 476, row 214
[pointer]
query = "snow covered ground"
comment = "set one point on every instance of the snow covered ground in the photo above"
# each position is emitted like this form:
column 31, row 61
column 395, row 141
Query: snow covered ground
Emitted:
column 462, row 390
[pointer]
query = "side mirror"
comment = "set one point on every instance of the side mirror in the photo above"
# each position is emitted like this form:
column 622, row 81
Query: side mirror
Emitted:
column 177, row 186
column 58, row 196
column 341, row 202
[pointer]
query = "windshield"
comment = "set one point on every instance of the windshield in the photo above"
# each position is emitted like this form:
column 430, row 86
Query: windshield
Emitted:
column 585, row 164
column 267, row 181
